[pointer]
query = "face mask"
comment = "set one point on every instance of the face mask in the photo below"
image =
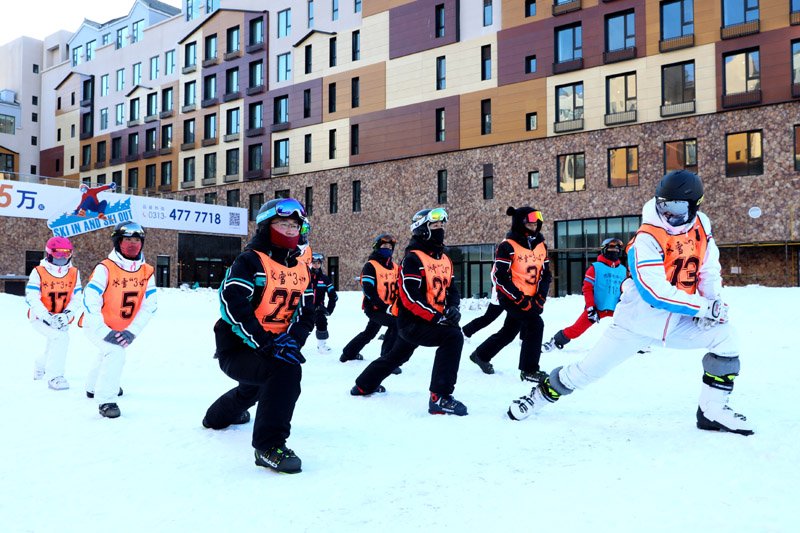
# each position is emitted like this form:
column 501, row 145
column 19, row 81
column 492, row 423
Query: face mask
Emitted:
column 59, row 261
column 437, row 236
column 386, row 253
column 612, row 255
column 282, row 241
column 130, row 250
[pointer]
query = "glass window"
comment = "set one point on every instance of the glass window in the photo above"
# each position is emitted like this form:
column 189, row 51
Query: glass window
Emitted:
column 137, row 74
column 533, row 179
column 530, row 8
column 308, row 59
column 569, row 43
column 210, row 49
column 284, row 67
column 120, row 114
column 569, row 102
column 154, row 67
column 487, row 12
column 441, row 74
column 334, row 9
column 797, row 147
column 356, row 196
column 90, row 46
column 166, row 99
column 256, row 201
column 571, row 173
column 232, row 121
column 743, row 154
column 166, row 136
column 742, row 72
column 530, row 64
column 679, row 155
column 440, row 129
column 439, row 21
column 355, row 92
column 116, row 148
column 306, row 103
column 309, row 203
column 121, row 79
column 620, row 31
column 739, row 12
column 331, row 98
column 257, row 73
column 354, row 139
column 104, row 118
column 310, row 13
column 332, row 144
column 281, row 150
column 281, row 110
column 133, row 178
column 152, row 104
column 232, row 198
column 254, row 157
column 169, row 62
column 104, row 85
column 232, row 162
column 77, row 55
column 284, row 23
column 190, row 93
column 232, row 81
column 531, row 122
column 256, row 115
column 190, row 55
column 334, row 199
column 621, row 93
column 150, row 176
column 210, row 166
column 307, row 148
column 486, row 117
column 441, row 186
column 257, row 31
column 122, row 37
column 357, row 6
column 796, row 61
column 138, row 31
column 332, row 52
column 233, row 39
column 623, row 166
column 166, row 173
column 677, row 83
column 356, row 38
column 188, row 131
column 212, row 5
column 134, row 109
column 486, row 62
column 210, row 126
column 677, row 19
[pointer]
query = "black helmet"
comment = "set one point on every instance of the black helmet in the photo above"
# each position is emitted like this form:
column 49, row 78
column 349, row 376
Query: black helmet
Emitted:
column 421, row 221
column 383, row 238
column 126, row 229
column 612, row 256
column 521, row 215
column 678, row 196
column 280, row 207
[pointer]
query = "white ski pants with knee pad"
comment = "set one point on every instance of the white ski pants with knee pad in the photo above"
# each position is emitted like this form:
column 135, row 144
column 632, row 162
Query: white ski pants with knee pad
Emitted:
column 53, row 358
column 618, row 344
column 105, row 373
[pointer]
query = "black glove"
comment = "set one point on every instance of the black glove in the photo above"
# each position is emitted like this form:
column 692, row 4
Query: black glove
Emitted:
column 592, row 315
column 120, row 338
column 322, row 309
column 452, row 314
column 285, row 348
column 524, row 303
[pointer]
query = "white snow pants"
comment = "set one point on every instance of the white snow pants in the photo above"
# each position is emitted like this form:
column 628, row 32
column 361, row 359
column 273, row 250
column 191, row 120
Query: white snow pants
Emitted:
column 54, row 357
column 618, row 344
column 104, row 376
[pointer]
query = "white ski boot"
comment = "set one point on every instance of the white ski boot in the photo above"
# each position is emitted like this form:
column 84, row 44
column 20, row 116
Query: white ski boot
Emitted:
column 322, row 347
column 714, row 414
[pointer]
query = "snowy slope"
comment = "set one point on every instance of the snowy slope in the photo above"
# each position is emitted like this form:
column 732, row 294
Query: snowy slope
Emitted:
column 623, row 455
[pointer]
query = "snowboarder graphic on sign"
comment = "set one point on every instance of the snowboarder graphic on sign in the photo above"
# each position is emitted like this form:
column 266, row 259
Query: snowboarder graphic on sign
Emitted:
column 89, row 201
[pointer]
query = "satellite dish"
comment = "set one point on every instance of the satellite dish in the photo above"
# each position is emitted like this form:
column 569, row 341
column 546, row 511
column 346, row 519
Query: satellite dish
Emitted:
column 754, row 212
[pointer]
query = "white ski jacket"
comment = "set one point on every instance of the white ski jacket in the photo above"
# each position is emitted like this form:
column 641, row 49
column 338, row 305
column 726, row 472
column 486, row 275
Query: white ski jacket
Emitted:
column 33, row 291
column 650, row 305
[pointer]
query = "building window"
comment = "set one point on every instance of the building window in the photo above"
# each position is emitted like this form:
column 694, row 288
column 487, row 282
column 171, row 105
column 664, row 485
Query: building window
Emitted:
column 133, row 144
column 35, row 99
column 332, row 98
column 797, row 146
column 530, row 64
column 621, row 93
column 190, row 93
column 210, row 126
column 188, row 131
column 356, row 196
column 86, row 155
column 441, row 186
column 440, row 131
column 284, row 23
column 210, row 166
column 620, row 31
column 307, row 148
column 166, row 136
column 571, row 173
column 677, row 83
column 90, row 46
column 133, row 178
column 530, row 8
column 680, row 155
column 308, row 59
column 169, row 62
column 232, row 162
column 166, row 173
column 116, row 178
column 533, row 179
column 190, row 55
column 354, row 139
column 104, row 85
column 623, row 166
column 210, row 198
column 334, row 9
column 150, row 140
column 677, row 19
column 739, row 12
column 257, row 31
column 210, row 47
column 310, row 13
column 211, row 6
column 150, row 176
column 356, row 45
column 332, row 52
column 166, row 99
column 332, row 144
column 569, row 102
column 104, row 118
column 486, row 117
column 232, row 40
column 441, row 74
column 531, row 122
column 121, row 80
column 116, row 148
column 256, row 73
column 741, row 72
column 743, row 154
column 232, row 121
column 284, row 67
column 122, row 38
column 137, row 74
column 569, row 43
column 439, row 21
column 281, row 149
column 7, row 124
column 795, row 58
column 281, row 109
column 152, row 104
column 486, row 62
column 255, row 157
column 256, row 201
column 232, row 198
column 487, row 12
column 77, row 54
column 138, row 29
column 333, row 207
column 306, row 103
column 355, row 93
column 154, row 67
column 256, row 115
column 36, row 68
column 488, row 182
column 101, row 151
column 309, row 203
column 232, row 81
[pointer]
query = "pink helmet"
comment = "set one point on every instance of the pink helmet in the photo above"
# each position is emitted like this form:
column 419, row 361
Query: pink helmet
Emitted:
column 58, row 249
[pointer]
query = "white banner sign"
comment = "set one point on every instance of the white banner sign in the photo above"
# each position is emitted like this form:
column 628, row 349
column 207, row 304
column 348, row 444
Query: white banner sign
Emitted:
column 73, row 211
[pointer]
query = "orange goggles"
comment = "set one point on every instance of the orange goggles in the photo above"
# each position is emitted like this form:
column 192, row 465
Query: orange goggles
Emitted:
column 61, row 252
column 533, row 216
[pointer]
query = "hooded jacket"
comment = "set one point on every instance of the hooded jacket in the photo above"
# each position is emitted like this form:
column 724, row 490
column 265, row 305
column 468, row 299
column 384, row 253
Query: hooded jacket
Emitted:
column 502, row 267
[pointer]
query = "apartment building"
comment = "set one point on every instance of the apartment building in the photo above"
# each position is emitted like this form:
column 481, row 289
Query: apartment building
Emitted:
column 371, row 110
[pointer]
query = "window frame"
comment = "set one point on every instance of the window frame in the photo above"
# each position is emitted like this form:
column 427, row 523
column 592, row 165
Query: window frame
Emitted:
column 559, row 172
column 630, row 163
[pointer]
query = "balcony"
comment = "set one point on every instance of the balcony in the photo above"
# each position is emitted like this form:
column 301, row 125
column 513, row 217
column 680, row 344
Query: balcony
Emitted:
column 740, row 30
column 253, row 132
column 254, row 90
column 149, row 154
column 280, row 126
column 795, row 90
column 794, row 18
column 189, row 69
column 86, row 135
column 134, row 122
column 230, row 56
column 231, row 137
column 256, row 174
column 619, row 55
column 187, row 146
column 165, row 114
column 100, row 164
column 210, row 181
column 280, row 171
column 677, row 43
column 210, row 62
column 682, row 108
column 252, row 48
column 86, row 102
column 165, row 151
column 115, row 161
column 612, row 119
column 132, row 157
column 738, row 99
column 568, row 66
column 561, row 8
column 151, row 118
column 228, row 178
column 208, row 102
column 187, row 184
column 85, row 168
column 227, row 97
column 209, row 142
column 188, row 108
column 165, row 188
column 568, row 125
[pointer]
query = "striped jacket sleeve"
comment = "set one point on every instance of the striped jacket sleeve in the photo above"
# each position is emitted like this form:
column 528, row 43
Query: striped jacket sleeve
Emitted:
column 235, row 294
column 502, row 273
column 413, row 288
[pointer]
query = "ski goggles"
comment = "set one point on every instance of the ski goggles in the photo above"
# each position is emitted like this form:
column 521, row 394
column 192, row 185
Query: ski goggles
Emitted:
column 384, row 239
column 534, row 216
column 612, row 242
column 305, row 228
column 673, row 208
column 61, row 253
column 285, row 208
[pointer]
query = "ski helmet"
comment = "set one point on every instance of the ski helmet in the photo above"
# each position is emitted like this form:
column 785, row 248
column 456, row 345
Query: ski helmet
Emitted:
column 522, row 215
column 421, row 221
column 317, row 257
column 126, row 229
column 383, row 238
column 58, row 250
column 305, row 229
column 613, row 254
column 281, row 207
column 678, row 196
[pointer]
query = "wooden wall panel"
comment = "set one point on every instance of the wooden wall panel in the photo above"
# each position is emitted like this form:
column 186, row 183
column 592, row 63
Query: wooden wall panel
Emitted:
column 412, row 27
column 372, row 80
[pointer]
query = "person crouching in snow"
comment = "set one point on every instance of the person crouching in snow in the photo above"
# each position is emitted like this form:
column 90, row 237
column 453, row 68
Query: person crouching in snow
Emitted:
column 602, row 288
column 120, row 299
column 52, row 293
column 674, row 295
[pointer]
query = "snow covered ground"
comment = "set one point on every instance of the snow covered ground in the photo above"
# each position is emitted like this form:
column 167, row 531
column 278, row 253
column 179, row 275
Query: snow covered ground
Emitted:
column 623, row 455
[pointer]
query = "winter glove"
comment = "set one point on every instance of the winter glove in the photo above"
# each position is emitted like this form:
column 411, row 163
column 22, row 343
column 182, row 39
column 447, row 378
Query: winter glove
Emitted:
column 525, row 303
column 443, row 321
column 61, row 321
column 452, row 314
column 592, row 315
column 120, row 338
column 51, row 321
column 322, row 309
column 538, row 303
column 717, row 313
column 286, row 349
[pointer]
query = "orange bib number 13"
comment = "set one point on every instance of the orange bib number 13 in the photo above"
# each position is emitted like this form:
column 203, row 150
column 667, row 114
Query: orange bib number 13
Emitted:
column 682, row 273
